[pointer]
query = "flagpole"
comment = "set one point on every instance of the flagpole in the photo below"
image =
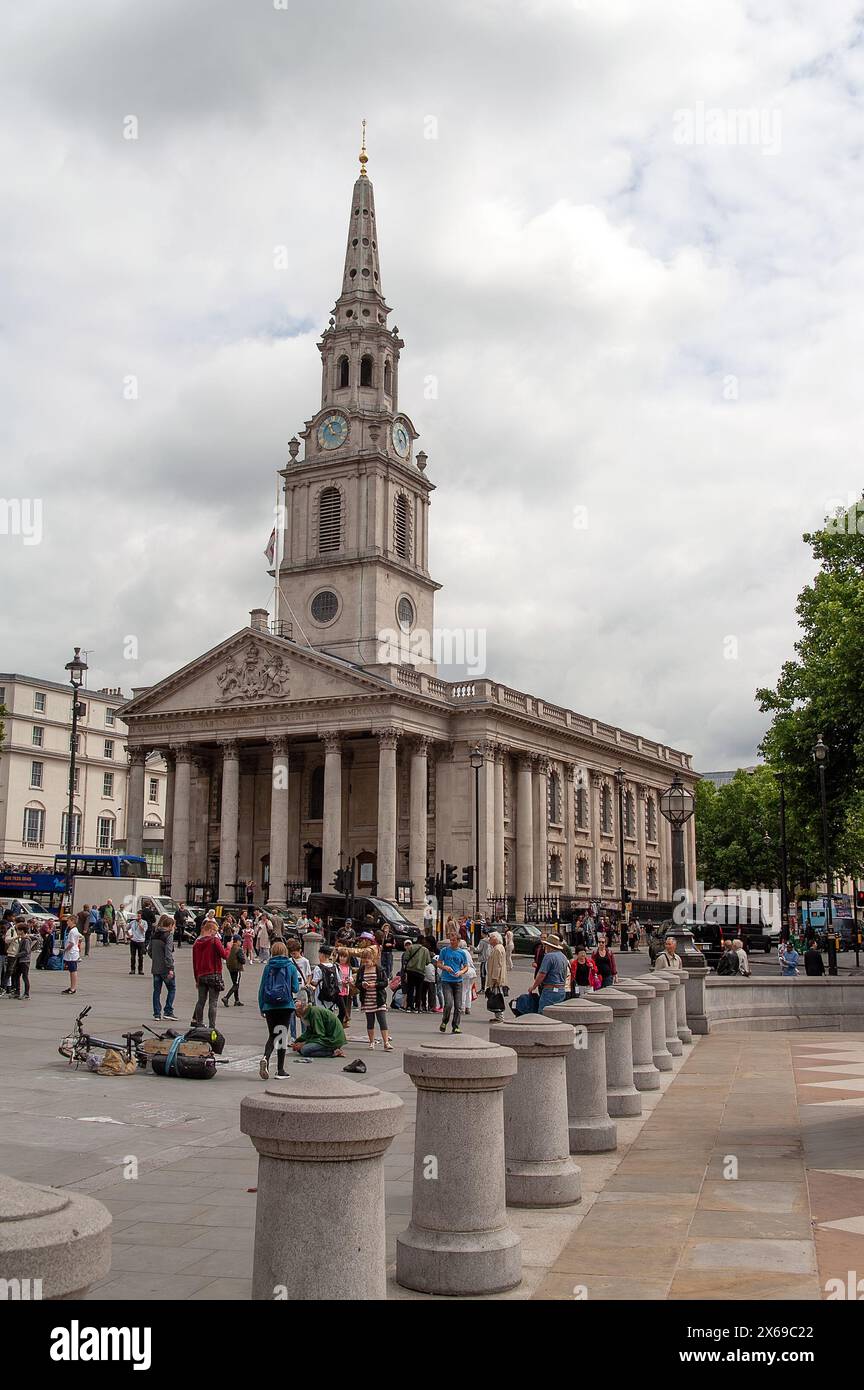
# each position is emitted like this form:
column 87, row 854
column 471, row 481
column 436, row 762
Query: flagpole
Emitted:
column 277, row 558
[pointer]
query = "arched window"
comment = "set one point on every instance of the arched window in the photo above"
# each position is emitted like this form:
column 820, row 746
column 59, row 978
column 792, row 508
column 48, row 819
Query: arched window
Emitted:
column 581, row 808
column 316, row 793
column 651, row 818
column 607, row 874
column 629, row 814
column 402, row 527
column 388, row 379
column 652, row 879
column 631, row 875
column 606, row 809
column 554, row 799
column 582, row 870
column 555, row 868
column 329, row 520
column 343, row 372
column 366, row 371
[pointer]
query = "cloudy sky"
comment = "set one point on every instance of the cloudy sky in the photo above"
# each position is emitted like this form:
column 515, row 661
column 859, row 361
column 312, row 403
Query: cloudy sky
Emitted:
column 641, row 308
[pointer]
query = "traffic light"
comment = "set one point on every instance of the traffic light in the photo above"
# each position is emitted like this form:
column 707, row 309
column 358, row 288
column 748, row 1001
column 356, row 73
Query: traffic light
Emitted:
column 450, row 876
column 340, row 880
column 431, row 885
column 627, row 895
column 468, row 877
column 859, row 897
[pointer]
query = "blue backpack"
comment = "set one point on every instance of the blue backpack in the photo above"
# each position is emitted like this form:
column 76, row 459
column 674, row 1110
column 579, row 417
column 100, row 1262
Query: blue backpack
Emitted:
column 278, row 992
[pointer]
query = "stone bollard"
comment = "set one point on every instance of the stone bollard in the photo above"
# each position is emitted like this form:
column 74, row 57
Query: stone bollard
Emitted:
column 459, row 1241
column 590, row 1128
column 538, row 1167
column 621, row 1095
column 673, row 1042
column 320, row 1141
column 681, row 1008
column 312, row 947
column 53, row 1243
column 662, row 1055
column 646, row 1076
column 694, row 991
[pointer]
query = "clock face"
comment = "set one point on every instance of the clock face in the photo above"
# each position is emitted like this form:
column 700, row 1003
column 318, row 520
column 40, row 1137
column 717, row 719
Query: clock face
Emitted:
column 401, row 439
column 332, row 431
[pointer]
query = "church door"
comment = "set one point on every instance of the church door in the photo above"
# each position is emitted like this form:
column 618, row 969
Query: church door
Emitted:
column 313, row 870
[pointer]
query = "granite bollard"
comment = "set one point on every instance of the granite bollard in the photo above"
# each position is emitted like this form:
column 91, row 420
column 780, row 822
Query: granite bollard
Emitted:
column 312, row 947
column 320, row 1141
column 53, row 1243
column 590, row 1128
column 681, row 1007
column 459, row 1240
column 673, row 1042
column 539, row 1171
column 646, row 1076
column 661, row 1053
column 621, row 1095
column 694, row 990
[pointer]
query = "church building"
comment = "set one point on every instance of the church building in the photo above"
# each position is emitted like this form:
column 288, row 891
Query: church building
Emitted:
column 297, row 745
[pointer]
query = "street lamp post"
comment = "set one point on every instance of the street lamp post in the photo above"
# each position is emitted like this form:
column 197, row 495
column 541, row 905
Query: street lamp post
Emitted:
column 476, row 762
column 620, row 779
column 820, row 757
column 77, row 669
column 677, row 805
column 784, row 859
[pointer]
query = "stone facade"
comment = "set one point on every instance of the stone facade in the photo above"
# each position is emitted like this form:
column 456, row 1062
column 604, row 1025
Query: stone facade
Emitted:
column 286, row 752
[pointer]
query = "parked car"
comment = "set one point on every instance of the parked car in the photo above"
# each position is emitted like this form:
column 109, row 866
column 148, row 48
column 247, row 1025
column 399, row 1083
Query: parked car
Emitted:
column 367, row 914
column 27, row 907
column 525, row 938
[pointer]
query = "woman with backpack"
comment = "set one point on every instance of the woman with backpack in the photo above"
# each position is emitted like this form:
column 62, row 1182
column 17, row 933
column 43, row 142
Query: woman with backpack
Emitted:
column 280, row 981
column 372, row 994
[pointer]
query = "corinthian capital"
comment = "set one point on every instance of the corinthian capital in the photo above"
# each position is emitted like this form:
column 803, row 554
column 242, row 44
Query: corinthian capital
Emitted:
column 388, row 738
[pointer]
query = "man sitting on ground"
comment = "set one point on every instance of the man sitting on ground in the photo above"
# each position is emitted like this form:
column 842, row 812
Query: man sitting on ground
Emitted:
column 323, row 1034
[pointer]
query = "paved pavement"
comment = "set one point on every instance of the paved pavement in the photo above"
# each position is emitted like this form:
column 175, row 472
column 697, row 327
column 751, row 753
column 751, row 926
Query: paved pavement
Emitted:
column 658, row 1218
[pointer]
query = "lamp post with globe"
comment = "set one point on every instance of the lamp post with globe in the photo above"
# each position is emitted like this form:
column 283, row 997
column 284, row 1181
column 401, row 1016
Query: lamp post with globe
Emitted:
column 677, row 805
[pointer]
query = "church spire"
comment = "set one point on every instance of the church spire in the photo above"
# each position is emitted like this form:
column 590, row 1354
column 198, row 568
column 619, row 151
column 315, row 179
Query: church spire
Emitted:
column 361, row 278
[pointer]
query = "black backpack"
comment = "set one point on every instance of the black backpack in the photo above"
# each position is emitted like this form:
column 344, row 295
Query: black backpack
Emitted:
column 328, row 989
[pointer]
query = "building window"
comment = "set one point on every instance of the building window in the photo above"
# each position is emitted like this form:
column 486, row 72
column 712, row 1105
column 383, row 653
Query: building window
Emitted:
column 630, row 875
column 581, row 808
column 343, row 372
column 402, row 527
column 606, row 809
column 324, row 606
column 405, row 614
column 607, row 874
column 652, row 878
column 388, row 379
column 2, row 695
column 105, row 831
column 555, row 868
column 34, row 826
column 554, row 798
column 316, row 793
column 582, row 870
column 76, row 829
column 108, row 784
column 154, row 789
column 329, row 520
column 38, row 738
column 109, row 718
column 39, row 702
column 629, row 815
column 366, row 366
column 651, row 819
column 36, row 771
column 109, row 748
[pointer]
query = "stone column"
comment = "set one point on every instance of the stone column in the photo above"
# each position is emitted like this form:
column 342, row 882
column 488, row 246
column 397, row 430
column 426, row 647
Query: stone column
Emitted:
column 168, row 832
column 622, row 1097
column 569, row 830
column 135, row 802
column 498, row 885
column 53, row 1243
column 673, row 1042
column 541, row 825
column 459, row 1241
column 486, row 867
column 228, row 825
column 387, row 741
column 590, row 1129
column 539, row 1171
column 180, row 833
column 681, row 1008
column 642, row 869
column 524, row 834
column 646, row 1076
column 279, row 804
column 331, row 825
column 296, row 863
column 593, row 789
column 417, row 828
column 320, row 1141
column 697, row 1015
column 661, row 1054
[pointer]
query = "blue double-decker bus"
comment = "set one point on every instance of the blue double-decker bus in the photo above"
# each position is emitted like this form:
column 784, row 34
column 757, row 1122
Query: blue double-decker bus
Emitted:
column 102, row 865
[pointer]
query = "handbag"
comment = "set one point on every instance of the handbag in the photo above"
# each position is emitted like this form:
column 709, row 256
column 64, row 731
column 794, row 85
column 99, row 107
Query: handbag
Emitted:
column 495, row 1000
column 213, row 981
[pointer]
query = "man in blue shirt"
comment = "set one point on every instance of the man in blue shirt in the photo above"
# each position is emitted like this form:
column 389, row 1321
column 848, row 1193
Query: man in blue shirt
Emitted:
column 552, row 974
column 453, row 962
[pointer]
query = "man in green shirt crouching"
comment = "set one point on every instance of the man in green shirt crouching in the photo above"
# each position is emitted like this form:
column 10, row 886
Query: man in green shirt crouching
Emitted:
column 323, row 1034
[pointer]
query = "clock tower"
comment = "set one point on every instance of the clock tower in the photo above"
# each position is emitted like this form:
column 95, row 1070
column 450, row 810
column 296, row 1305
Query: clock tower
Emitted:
column 354, row 575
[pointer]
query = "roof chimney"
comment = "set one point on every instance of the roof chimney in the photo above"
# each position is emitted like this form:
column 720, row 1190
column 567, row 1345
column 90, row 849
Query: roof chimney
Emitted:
column 258, row 619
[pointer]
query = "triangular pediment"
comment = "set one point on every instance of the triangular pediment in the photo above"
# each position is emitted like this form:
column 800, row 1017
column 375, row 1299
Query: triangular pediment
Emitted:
column 253, row 669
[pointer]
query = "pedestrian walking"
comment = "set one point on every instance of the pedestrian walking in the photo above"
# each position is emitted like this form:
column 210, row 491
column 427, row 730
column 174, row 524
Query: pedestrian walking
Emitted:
column 162, row 966
column 583, row 973
column 668, row 958
column 497, row 976
column 236, row 962
column 813, row 962
column 277, row 992
column 28, row 939
column 262, row 939
column 372, row 994
column 414, row 962
column 208, row 954
column 137, row 937
column 604, row 964
column 71, row 957
column 508, row 947
column 11, row 947
column 743, row 958
column 454, row 962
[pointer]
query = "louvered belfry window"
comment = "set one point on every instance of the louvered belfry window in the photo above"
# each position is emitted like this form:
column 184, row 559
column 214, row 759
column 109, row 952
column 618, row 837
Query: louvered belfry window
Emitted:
column 402, row 527
column 329, row 520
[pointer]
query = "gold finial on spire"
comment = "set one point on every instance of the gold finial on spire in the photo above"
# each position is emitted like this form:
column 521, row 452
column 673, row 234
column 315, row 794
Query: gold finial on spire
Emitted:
column 364, row 158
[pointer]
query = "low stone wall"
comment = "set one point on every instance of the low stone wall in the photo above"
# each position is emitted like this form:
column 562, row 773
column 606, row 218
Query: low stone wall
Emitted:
column 774, row 1005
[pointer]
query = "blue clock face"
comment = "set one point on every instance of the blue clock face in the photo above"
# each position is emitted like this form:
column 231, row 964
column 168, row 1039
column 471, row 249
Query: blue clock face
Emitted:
column 332, row 431
column 401, row 439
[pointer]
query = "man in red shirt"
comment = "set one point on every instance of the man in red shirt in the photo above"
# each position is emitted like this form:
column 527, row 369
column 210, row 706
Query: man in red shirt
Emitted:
column 208, row 954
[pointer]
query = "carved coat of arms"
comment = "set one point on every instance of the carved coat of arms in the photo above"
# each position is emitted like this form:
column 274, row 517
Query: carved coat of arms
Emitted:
column 253, row 674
